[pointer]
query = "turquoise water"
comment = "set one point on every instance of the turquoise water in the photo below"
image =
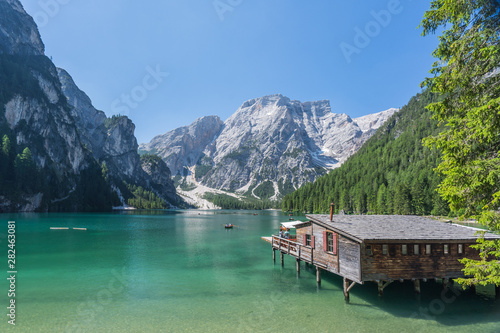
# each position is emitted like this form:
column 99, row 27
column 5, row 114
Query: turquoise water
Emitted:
column 183, row 272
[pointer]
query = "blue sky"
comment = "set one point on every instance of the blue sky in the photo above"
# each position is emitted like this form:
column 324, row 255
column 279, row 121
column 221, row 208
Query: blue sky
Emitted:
column 166, row 63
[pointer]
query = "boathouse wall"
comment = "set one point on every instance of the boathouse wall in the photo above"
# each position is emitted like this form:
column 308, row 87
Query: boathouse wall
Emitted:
column 345, row 260
column 327, row 260
column 349, row 259
column 395, row 265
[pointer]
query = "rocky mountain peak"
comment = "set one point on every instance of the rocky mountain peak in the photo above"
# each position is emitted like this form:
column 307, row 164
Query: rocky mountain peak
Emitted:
column 18, row 31
column 270, row 146
column 80, row 156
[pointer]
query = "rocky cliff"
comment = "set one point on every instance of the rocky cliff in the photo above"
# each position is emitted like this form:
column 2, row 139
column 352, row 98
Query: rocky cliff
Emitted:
column 185, row 146
column 49, row 127
column 268, row 147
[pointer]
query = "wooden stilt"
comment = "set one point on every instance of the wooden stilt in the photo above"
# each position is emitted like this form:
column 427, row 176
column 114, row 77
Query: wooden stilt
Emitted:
column 445, row 283
column 282, row 260
column 348, row 284
column 274, row 255
column 381, row 286
column 318, row 275
column 416, row 284
column 298, row 266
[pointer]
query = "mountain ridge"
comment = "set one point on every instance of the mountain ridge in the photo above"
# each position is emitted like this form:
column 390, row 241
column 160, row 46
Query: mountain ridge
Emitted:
column 270, row 145
column 58, row 152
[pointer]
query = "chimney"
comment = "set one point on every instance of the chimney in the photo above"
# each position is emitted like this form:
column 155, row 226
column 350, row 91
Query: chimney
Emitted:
column 331, row 211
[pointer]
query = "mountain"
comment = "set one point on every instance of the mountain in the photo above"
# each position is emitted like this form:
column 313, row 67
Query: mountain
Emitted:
column 269, row 147
column 57, row 151
column 184, row 146
column 393, row 173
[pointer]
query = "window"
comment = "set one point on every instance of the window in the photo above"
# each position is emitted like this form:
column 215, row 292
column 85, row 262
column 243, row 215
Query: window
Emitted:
column 330, row 242
column 416, row 249
column 308, row 240
column 428, row 249
column 460, row 248
column 404, row 249
column 384, row 249
column 446, row 248
column 369, row 251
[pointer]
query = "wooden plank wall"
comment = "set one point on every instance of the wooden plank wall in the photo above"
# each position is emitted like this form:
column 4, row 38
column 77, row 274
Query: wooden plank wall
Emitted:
column 324, row 258
column 350, row 259
column 395, row 265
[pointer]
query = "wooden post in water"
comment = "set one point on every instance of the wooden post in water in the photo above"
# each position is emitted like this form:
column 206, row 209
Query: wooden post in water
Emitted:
column 346, row 293
column 282, row 260
column 445, row 283
column 380, row 288
column 416, row 284
column 318, row 275
column 348, row 284
column 298, row 265
column 274, row 255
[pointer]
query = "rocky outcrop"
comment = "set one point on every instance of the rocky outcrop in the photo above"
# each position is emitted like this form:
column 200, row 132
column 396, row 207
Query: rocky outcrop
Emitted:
column 372, row 122
column 160, row 178
column 69, row 140
column 18, row 31
column 112, row 140
column 185, row 146
column 268, row 147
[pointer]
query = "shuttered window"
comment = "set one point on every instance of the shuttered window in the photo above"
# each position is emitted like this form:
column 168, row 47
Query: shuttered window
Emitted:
column 428, row 249
column 330, row 242
column 446, row 248
column 404, row 249
column 384, row 249
column 460, row 248
column 307, row 240
column 416, row 249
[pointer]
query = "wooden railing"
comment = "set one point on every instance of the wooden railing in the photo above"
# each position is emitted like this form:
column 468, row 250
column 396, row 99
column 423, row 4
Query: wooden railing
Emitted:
column 290, row 247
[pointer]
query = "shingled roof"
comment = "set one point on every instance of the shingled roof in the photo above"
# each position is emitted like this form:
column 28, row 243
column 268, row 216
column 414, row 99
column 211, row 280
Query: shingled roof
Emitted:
column 397, row 227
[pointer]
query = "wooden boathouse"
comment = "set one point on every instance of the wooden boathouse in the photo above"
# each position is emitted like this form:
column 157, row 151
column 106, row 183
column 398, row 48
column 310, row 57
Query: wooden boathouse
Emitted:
column 380, row 248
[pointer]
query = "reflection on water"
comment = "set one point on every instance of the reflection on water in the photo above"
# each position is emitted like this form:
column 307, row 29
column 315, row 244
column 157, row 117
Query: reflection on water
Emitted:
column 162, row 271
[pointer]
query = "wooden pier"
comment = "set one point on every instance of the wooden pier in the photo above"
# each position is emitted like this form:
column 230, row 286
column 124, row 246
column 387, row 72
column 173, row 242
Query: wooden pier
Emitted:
column 381, row 249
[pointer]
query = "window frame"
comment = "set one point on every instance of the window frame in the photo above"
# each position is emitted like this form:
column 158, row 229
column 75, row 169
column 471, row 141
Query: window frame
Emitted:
column 416, row 249
column 385, row 249
column 404, row 249
column 446, row 249
column 428, row 249
column 308, row 240
column 329, row 239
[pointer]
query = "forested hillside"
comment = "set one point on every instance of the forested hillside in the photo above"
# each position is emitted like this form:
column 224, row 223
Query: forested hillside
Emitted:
column 391, row 174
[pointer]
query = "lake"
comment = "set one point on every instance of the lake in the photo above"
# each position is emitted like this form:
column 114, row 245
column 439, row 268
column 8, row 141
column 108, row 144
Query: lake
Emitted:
column 183, row 271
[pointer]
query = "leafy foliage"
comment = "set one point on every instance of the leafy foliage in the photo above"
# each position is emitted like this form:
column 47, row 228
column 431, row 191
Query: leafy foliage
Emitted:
column 467, row 74
column 391, row 173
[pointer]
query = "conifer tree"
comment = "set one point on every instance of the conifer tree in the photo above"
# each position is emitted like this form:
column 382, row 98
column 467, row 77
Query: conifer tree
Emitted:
column 466, row 74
